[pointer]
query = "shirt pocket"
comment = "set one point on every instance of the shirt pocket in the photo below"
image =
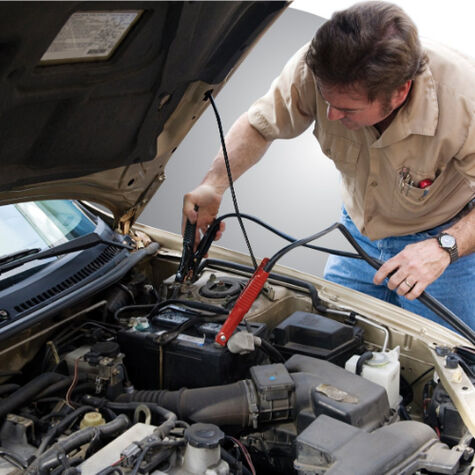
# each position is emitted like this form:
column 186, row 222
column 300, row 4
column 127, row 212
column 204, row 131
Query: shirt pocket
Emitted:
column 408, row 193
column 342, row 151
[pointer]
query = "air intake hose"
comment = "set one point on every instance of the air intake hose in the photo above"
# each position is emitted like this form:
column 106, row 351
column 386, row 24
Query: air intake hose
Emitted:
column 229, row 404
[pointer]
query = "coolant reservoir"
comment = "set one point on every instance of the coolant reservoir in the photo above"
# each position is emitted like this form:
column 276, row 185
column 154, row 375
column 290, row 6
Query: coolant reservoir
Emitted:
column 203, row 452
column 382, row 369
column 91, row 419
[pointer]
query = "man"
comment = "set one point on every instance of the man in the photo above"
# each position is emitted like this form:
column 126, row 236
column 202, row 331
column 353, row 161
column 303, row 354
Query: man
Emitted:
column 398, row 120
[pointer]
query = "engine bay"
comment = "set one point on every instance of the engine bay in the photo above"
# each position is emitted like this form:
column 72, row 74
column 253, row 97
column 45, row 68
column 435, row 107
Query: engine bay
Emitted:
column 130, row 379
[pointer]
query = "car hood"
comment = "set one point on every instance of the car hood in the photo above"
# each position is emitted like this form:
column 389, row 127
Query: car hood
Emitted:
column 96, row 96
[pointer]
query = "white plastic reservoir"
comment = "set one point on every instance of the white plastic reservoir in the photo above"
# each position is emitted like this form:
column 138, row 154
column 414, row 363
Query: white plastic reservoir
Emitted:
column 382, row 369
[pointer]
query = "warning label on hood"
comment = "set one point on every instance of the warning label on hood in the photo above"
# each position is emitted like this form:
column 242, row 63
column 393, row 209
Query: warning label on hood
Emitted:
column 90, row 36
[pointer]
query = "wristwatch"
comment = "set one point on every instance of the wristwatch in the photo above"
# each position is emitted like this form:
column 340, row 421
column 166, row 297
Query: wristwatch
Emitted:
column 448, row 243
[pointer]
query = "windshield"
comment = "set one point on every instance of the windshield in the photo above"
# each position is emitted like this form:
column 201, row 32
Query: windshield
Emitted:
column 40, row 224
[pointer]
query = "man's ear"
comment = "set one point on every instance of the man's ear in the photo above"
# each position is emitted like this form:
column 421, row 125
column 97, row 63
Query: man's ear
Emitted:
column 400, row 95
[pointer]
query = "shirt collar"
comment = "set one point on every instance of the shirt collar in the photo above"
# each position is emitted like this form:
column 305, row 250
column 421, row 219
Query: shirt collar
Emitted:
column 419, row 115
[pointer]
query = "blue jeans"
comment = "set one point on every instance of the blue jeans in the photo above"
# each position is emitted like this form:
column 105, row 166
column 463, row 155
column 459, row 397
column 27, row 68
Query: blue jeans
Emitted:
column 455, row 288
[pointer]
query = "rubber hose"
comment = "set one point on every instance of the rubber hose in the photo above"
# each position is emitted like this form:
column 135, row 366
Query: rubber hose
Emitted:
column 164, row 428
column 50, row 459
column 61, row 426
column 4, row 374
column 367, row 355
column 220, row 405
column 54, row 388
column 8, row 388
column 28, row 392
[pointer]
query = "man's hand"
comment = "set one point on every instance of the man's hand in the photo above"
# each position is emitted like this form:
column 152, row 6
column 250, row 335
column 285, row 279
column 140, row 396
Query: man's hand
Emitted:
column 245, row 147
column 207, row 199
column 415, row 267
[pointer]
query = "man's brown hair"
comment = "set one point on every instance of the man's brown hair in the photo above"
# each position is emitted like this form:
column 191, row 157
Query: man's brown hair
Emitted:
column 374, row 45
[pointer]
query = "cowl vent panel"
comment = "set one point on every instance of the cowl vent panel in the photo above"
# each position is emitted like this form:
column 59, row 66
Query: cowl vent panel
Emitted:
column 104, row 258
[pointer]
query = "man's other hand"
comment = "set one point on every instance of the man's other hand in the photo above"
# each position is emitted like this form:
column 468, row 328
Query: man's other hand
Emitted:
column 414, row 268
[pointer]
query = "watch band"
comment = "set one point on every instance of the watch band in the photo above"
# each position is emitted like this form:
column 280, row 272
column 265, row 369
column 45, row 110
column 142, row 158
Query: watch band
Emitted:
column 448, row 243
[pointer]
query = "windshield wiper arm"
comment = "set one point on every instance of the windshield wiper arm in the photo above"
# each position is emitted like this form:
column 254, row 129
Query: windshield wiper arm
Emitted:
column 14, row 256
column 83, row 242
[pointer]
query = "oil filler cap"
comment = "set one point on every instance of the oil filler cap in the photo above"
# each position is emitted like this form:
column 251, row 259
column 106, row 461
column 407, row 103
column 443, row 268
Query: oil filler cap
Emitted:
column 106, row 348
column 204, row 436
column 102, row 349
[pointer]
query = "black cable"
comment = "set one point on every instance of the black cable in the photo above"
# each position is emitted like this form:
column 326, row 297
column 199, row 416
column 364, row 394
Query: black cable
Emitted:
column 132, row 307
column 14, row 458
column 219, row 264
column 467, row 353
column 406, row 391
column 289, row 238
column 155, row 308
column 234, row 463
column 188, row 303
column 273, row 260
column 403, row 414
column 158, row 459
column 110, row 470
column 465, row 366
column 58, row 414
column 274, row 354
column 157, row 443
column 170, row 335
column 65, row 471
column 209, row 96
column 430, row 302
column 448, row 316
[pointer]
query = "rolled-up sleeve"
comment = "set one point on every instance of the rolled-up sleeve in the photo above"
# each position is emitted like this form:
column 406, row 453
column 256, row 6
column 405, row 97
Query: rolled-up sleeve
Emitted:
column 289, row 107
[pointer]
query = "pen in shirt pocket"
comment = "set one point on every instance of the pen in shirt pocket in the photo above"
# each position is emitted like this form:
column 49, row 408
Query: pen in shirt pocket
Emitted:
column 405, row 180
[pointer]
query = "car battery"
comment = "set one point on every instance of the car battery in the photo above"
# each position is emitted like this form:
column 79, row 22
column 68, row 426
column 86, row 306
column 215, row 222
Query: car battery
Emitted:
column 192, row 359
column 314, row 335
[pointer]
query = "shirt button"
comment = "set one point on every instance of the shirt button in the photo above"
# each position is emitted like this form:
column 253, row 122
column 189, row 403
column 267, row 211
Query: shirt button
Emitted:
column 374, row 183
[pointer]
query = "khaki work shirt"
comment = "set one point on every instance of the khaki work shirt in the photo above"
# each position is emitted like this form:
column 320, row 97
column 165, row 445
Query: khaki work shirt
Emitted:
column 432, row 136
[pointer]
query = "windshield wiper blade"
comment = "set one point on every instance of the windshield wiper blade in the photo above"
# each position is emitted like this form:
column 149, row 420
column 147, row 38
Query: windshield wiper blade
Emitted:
column 14, row 256
column 78, row 244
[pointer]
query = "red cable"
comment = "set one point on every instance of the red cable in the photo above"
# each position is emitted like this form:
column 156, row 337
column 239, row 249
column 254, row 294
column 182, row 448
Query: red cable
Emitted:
column 73, row 383
column 245, row 453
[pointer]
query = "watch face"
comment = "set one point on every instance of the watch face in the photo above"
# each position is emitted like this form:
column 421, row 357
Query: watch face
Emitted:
column 447, row 241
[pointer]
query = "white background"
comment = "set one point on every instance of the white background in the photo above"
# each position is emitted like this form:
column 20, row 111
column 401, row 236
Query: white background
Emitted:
column 295, row 187
column 450, row 22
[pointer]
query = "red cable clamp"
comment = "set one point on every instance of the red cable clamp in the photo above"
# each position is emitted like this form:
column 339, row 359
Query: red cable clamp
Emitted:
column 243, row 303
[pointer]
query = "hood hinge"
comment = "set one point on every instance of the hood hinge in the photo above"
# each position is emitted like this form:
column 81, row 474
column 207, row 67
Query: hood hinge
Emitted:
column 126, row 221
column 125, row 227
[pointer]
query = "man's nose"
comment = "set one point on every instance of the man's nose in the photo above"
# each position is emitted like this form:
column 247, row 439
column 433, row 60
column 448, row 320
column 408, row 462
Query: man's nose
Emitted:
column 334, row 114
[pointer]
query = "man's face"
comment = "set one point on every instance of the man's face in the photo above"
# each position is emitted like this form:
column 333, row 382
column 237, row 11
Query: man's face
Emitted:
column 353, row 109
